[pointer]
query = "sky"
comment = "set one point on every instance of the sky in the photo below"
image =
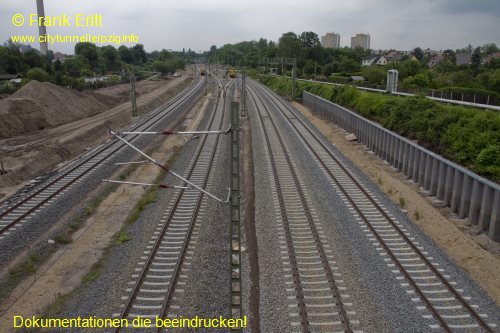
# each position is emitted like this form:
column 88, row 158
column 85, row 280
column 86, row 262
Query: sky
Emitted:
column 198, row 24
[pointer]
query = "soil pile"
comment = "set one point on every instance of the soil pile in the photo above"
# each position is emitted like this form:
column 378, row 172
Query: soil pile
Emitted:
column 41, row 105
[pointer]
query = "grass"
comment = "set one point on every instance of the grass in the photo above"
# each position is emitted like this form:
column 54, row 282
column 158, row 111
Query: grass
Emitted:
column 418, row 215
column 19, row 272
column 390, row 190
column 402, row 202
column 380, row 180
column 121, row 237
column 63, row 238
column 27, row 267
column 93, row 273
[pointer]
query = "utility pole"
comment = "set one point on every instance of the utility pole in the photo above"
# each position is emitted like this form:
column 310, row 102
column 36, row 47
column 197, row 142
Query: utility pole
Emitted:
column 243, row 95
column 132, row 93
column 292, row 93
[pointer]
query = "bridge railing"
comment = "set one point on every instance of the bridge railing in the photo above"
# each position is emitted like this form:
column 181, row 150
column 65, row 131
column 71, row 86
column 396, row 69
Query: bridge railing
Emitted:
column 464, row 192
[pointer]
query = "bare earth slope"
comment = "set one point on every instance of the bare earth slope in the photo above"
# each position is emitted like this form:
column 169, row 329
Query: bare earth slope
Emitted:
column 37, row 152
column 40, row 105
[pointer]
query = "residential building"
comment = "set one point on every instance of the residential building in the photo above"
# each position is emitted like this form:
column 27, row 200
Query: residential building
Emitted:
column 435, row 59
column 58, row 56
column 374, row 60
column 488, row 58
column 394, row 56
column 331, row 40
column 361, row 40
column 464, row 58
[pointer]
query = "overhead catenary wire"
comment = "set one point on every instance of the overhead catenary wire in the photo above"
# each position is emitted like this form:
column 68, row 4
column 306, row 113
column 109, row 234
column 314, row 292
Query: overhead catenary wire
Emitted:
column 143, row 184
column 226, row 131
column 115, row 134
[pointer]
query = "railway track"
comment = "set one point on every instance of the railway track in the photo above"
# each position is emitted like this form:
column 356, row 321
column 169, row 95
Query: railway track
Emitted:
column 162, row 271
column 439, row 299
column 314, row 286
column 14, row 213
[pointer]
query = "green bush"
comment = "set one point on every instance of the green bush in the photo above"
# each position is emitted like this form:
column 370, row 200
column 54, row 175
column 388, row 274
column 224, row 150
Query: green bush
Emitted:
column 37, row 74
column 467, row 136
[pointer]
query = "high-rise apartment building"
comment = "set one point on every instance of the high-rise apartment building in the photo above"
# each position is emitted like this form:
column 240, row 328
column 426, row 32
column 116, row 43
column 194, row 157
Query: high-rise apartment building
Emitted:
column 361, row 40
column 331, row 40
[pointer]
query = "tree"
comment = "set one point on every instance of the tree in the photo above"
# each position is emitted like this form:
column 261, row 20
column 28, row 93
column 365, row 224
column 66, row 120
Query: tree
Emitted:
column 309, row 39
column 309, row 68
column 109, row 56
column 125, row 54
column 408, row 68
column 32, row 59
column 73, row 66
column 164, row 55
column 489, row 48
column 37, row 74
column 418, row 53
column 450, row 56
column 476, row 58
column 88, row 52
column 160, row 66
column 289, row 45
column 419, row 80
column 139, row 54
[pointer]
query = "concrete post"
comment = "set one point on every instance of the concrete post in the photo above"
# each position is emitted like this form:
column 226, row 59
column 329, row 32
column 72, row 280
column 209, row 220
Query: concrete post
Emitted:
column 486, row 208
column 457, row 191
column 463, row 209
column 475, row 202
column 494, row 231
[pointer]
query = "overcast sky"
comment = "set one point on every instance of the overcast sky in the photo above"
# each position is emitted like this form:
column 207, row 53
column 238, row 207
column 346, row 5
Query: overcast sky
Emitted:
column 198, row 24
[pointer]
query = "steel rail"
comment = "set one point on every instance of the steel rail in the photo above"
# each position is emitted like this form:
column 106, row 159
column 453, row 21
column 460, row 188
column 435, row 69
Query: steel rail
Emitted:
column 142, row 275
column 326, row 266
column 274, row 98
column 178, row 100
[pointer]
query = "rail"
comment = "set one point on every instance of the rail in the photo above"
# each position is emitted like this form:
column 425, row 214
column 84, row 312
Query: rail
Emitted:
column 466, row 193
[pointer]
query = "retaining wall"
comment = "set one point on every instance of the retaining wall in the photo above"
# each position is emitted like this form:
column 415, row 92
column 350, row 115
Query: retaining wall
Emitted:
column 466, row 193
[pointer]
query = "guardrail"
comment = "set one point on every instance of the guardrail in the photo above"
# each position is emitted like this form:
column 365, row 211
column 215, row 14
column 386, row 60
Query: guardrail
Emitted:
column 466, row 193
column 437, row 99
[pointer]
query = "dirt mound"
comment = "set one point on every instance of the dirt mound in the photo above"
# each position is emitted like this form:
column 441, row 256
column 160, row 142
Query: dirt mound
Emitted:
column 40, row 105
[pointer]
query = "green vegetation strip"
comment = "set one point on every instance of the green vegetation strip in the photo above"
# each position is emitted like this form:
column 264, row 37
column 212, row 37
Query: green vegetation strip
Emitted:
column 467, row 136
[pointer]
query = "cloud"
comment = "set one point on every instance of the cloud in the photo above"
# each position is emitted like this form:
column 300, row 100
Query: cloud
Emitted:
column 198, row 24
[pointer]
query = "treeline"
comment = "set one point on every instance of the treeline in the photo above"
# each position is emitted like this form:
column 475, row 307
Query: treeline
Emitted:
column 88, row 60
column 468, row 136
column 311, row 57
column 338, row 65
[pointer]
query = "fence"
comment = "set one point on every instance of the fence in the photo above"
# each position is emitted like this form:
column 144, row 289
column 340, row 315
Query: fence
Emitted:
column 466, row 193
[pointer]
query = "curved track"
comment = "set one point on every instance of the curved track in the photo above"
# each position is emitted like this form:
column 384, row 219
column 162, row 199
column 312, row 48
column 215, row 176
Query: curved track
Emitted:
column 14, row 214
column 162, row 271
column 436, row 296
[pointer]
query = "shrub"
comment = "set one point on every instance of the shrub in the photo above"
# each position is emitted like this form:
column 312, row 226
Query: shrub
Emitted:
column 37, row 74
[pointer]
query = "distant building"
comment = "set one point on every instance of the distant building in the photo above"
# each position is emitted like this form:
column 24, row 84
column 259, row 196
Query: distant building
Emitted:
column 96, row 79
column 331, row 40
column 394, row 56
column 58, row 56
column 435, row 59
column 374, row 60
column 8, row 77
column 488, row 58
column 361, row 40
column 464, row 58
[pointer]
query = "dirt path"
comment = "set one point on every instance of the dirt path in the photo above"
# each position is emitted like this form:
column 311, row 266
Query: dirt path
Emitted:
column 482, row 265
column 26, row 157
column 64, row 271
